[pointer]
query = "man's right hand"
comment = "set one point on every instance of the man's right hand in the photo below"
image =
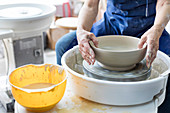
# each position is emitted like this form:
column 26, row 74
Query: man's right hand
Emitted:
column 83, row 41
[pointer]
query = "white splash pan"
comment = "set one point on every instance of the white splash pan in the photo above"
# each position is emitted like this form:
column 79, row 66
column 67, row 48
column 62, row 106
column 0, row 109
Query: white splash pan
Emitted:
column 26, row 17
column 115, row 93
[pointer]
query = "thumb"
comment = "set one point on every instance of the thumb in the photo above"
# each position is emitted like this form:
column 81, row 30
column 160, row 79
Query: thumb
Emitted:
column 142, row 42
column 94, row 39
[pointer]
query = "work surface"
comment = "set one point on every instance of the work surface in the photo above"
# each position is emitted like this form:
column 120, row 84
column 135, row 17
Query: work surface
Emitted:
column 72, row 103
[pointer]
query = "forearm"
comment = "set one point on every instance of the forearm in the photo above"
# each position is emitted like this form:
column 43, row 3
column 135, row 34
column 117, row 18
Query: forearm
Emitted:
column 162, row 14
column 87, row 15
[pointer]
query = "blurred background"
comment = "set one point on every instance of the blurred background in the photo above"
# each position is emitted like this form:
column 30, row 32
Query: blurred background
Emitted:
column 65, row 21
column 34, row 52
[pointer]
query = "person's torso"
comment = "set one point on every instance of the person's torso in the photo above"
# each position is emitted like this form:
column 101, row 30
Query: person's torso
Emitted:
column 131, row 17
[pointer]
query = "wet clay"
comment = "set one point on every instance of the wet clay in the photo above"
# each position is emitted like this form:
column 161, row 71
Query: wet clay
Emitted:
column 38, row 85
column 118, row 48
column 118, row 53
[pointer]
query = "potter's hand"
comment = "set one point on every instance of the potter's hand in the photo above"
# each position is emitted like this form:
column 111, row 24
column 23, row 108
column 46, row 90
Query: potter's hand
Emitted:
column 151, row 38
column 86, row 51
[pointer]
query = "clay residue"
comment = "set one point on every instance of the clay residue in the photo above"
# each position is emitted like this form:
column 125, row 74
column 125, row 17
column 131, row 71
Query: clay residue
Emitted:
column 158, row 67
column 75, row 104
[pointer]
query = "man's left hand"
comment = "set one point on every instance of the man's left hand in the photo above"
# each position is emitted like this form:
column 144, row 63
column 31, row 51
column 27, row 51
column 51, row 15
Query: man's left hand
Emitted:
column 151, row 38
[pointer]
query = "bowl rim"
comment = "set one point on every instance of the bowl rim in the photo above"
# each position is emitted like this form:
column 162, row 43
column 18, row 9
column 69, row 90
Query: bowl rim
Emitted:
column 40, row 89
column 114, row 51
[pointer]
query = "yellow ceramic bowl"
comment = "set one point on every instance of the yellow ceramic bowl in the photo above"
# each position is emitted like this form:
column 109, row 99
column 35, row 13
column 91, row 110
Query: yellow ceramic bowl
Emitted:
column 38, row 101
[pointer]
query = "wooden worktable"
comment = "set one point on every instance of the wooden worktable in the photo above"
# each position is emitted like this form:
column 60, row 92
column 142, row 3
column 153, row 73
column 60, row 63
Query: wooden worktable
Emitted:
column 72, row 103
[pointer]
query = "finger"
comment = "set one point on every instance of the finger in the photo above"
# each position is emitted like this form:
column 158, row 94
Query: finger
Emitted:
column 94, row 39
column 150, row 52
column 82, row 49
column 91, row 56
column 154, row 53
column 85, row 57
column 142, row 42
column 85, row 54
column 92, row 59
column 152, row 59
column 88, row 60
column 152, row 48
column 89, row 50
column 148, row 59
column 148, row 56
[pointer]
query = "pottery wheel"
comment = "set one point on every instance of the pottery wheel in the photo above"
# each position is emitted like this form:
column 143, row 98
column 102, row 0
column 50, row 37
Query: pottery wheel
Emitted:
column 20, row 12
column 138, row 73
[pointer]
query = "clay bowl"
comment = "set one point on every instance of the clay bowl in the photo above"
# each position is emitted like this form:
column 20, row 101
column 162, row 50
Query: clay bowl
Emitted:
column 119, row 53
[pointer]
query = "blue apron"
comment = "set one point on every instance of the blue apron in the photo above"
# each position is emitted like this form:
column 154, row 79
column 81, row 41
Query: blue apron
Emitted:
column 130, row 17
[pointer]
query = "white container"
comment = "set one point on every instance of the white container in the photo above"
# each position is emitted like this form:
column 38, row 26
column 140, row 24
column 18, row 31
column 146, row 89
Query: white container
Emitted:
column 114, row 93
column 25, row 18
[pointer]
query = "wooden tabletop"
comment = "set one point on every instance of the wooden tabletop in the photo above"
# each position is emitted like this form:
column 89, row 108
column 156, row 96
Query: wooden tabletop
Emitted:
column 72, row 103
column 67, row 23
